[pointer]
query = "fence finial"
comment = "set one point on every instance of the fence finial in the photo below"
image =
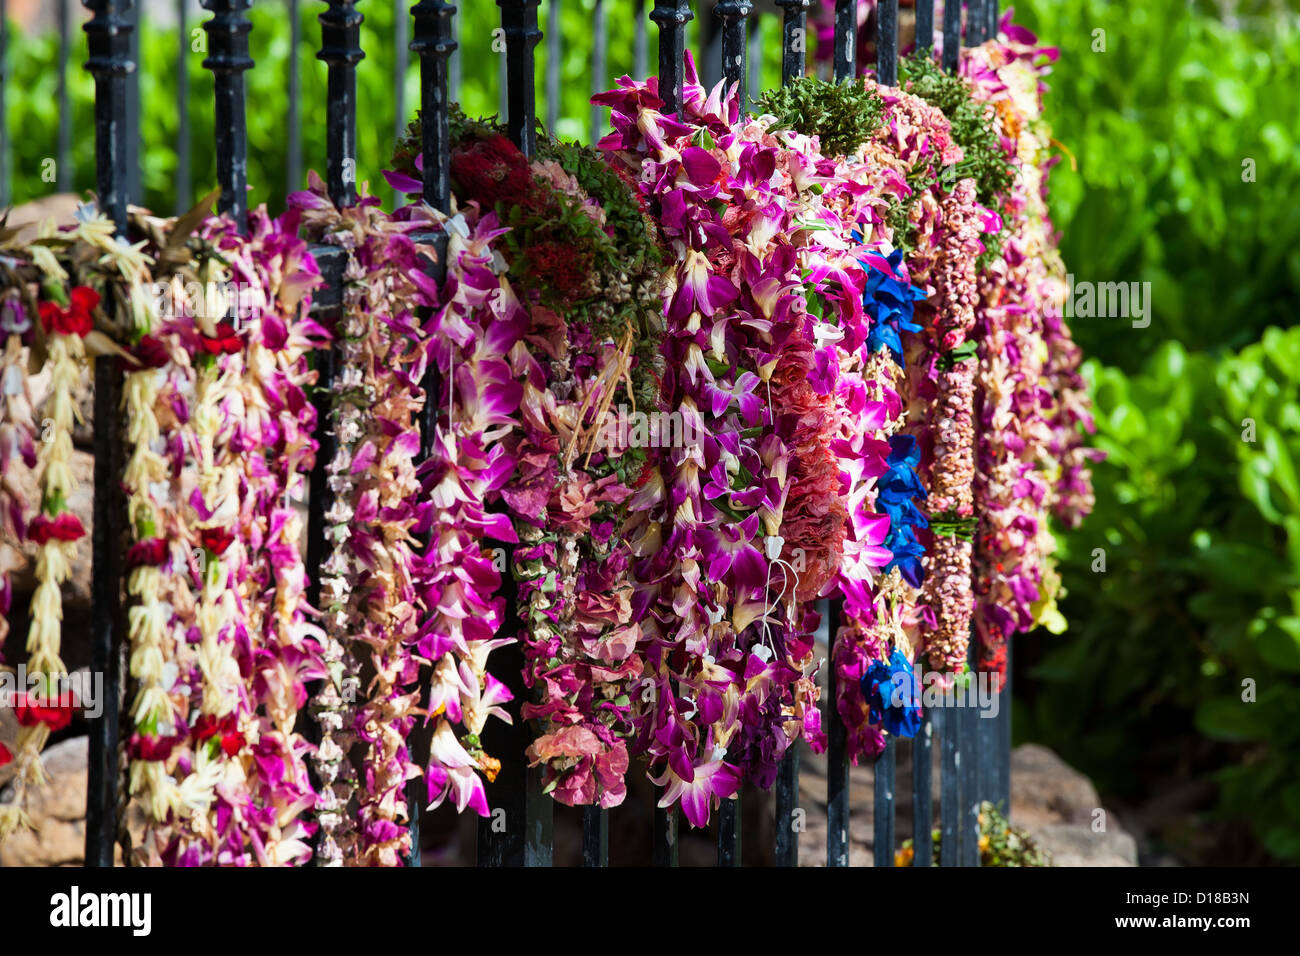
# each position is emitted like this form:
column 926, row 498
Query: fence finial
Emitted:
column 519, row 21
column 340, row 48
column 228, row 42
column 794, row 39
column 734, row 15
column 434, row 44
column 108, row 35
column 672, row 17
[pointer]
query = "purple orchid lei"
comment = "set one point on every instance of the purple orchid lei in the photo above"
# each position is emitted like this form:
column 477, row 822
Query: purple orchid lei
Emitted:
column 474, row 333
column 768, row 294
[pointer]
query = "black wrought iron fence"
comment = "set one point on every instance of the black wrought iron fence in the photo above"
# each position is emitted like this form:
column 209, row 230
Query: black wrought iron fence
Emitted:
column 975, row 751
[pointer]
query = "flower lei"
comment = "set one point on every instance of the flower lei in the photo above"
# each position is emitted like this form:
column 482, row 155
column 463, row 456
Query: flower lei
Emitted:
column 768, row 295
column 75, row 268
column 474, row 333
column 221, row 647
column 587, row 281
column 387, row 361
column 899, row 165
column 1031, row 459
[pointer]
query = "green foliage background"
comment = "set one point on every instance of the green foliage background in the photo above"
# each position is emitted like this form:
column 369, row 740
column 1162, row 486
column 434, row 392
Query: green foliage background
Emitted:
column 1201, row 528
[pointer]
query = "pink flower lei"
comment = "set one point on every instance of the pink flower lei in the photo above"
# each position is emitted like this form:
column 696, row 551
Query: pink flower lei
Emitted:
column 1032, row 464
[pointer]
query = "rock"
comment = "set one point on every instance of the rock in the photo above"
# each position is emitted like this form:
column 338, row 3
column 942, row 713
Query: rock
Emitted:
column 1047, row 790
column 1072, row 844
column 1060, row 808
column 57, row 810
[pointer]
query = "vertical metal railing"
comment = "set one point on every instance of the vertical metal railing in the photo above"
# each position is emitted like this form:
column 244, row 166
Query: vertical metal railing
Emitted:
column 951, row 36
column 924, row 24
column 228, row 59
column 734, row 15
column 794, row 39
column 672, row 17
column 525, row 839
column 108, row 34
column 887, row 42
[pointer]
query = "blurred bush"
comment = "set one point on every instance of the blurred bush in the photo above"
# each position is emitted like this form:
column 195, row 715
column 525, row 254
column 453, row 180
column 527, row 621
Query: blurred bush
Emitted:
column 1200, row 527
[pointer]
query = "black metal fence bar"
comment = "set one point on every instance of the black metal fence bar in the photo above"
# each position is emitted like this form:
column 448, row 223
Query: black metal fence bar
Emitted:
column 340, row 29
column 109, row 40
column 1001, row 795
column 967, row 746
column 794, row 39
column 519, row 834
column 434, row 45
column 595, row 837
column 951, row 36
column 985, row 740
column 754, row 59
column 228, row 59
column 837, row 758
column 887, row 42
column 133, row 107
column 882, row 809
column 729, row 830
column 991, row 31
column 974, row 22
column 663, row 845
column 788, row 826
column 924, row 24
column 519, row 21
column 845, row 44
column 672, row 17
column 734, row 15
column 950, row 799
column 922, row 800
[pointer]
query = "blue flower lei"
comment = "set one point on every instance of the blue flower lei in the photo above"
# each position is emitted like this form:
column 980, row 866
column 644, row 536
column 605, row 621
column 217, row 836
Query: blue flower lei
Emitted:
column 890, row 304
